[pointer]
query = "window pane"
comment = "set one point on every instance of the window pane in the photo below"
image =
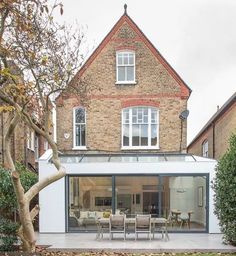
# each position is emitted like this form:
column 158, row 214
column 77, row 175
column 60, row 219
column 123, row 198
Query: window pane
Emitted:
column 153, row 134
column 135, row 135
column 125, row 135
column 131, row 58
column 82, row 135
column 126, row 58
column 120, row 59
column 154, row 116
column 140, row 118
column 130, row 73
column 121, row 73
column 126, row 116
column 77, row 135
column 144, row 135
column 145, row 119
column 134, row 119
column 80, row 115
column 88, row 199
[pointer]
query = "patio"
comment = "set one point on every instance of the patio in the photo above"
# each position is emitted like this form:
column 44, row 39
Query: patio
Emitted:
column 177, row 243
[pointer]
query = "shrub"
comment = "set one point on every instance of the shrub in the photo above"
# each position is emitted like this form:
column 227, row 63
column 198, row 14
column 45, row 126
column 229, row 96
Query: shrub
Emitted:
column 224, row 186
column 8, row 204
column 8, row 234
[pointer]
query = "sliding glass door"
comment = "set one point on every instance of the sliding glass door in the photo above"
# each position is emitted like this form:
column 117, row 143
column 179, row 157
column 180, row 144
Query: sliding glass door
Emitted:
column 89, row 198
column 182, row 199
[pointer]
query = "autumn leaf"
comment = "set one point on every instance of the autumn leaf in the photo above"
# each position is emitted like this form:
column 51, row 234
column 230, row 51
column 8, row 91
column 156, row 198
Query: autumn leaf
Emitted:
column 5, row 108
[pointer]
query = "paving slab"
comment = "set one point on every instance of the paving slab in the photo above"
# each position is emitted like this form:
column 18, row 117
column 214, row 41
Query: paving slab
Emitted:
column 193, row 242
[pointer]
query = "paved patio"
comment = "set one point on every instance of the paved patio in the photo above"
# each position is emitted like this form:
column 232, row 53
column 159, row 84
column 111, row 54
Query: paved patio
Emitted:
column 177, row 243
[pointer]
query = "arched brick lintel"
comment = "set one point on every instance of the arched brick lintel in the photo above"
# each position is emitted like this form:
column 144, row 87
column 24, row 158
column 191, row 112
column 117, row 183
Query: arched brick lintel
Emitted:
column 125, row 48
column 139, row 102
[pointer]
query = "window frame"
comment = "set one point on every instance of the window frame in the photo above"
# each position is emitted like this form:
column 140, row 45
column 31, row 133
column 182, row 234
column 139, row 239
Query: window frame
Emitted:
column 30, row 139
column 74, row 129
column 127, row 65
column 204, row 152
column 130, row 147
column 36, row 148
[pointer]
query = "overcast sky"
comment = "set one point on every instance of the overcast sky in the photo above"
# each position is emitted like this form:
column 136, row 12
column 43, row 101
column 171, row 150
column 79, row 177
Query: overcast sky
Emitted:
column 197, row 37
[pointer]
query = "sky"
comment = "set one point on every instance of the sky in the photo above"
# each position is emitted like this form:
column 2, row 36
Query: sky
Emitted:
column 197, row 38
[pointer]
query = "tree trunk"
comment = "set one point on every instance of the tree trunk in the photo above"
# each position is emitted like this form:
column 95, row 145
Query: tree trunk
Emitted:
column 28, row 236
column 26, row 232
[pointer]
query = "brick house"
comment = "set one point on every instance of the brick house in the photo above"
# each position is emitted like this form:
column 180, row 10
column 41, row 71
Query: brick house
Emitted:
column 213, row 139
column 26, row 145
column 126, row 70
column 122, row 142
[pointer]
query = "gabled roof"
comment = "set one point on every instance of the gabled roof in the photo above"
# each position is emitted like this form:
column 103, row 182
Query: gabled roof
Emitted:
column 215, row 117
column 185, row 90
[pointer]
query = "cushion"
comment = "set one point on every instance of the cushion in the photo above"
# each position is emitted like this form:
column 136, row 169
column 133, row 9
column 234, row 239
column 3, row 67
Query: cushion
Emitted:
column 91, row 215
column 117, row 211
column 106, row 214
column 99, row 214
column 83, row 214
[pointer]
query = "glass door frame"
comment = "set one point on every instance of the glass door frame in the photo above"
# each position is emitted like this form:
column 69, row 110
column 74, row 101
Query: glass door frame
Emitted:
column 159, row 175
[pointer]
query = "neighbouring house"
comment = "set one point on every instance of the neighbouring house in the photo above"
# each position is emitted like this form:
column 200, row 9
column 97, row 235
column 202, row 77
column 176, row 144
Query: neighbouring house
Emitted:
column 122, row 141
column 26, row 145
column 213, row 139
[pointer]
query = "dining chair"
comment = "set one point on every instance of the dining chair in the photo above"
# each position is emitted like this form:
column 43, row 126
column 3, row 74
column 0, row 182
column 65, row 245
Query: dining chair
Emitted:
column 185, row 218
column 143, row 225
column 117, row 225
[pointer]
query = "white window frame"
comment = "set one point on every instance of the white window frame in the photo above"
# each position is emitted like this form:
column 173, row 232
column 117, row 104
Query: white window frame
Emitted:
column 36, row 147
column 205, row 148
column 125, row 65
column 149, row 130
column 45, row 145
column 30, row 139
column 74, row 130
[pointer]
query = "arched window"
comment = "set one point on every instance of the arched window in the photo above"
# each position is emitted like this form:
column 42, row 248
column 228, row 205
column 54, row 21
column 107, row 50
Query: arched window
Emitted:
column 140, row 128
column 79, row 127
column 205, row 148
column 125, row 67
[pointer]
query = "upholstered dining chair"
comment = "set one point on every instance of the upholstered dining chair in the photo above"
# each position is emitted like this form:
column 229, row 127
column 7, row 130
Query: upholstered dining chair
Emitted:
column 185, row 218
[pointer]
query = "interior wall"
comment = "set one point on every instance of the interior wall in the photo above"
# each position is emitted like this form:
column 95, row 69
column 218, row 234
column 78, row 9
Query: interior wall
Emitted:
column 200, row 209
column 181, row 193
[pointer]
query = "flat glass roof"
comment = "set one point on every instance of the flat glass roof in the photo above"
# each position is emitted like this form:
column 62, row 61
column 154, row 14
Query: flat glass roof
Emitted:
column 131, row 158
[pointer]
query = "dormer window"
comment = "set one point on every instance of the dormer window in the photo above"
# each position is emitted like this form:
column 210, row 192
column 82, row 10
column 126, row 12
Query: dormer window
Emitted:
column 125, row 67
